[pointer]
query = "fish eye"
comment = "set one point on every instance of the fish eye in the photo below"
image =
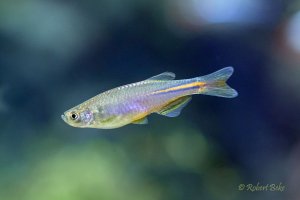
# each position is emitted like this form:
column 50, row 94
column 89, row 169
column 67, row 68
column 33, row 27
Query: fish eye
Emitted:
column 74, row 116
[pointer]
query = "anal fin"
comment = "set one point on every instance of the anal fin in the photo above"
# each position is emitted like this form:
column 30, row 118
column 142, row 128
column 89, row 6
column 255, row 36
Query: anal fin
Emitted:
column 174, row 108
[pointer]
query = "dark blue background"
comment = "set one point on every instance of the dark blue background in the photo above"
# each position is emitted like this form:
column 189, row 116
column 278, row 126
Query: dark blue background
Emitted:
column 56, row 54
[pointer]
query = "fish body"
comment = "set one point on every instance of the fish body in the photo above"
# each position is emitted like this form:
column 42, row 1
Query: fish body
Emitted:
column 132, row 103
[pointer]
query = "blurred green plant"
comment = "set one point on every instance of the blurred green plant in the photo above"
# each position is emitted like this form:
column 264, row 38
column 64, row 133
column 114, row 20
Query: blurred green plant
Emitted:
column 135, row 166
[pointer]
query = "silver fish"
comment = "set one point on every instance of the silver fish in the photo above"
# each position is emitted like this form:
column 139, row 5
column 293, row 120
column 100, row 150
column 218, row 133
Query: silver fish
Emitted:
column 132, row 103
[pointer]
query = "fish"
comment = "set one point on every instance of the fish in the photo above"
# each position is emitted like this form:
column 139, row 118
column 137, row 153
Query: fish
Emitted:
column 132, row 103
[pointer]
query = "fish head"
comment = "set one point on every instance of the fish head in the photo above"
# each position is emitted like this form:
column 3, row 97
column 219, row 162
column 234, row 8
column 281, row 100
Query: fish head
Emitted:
column 78, row 117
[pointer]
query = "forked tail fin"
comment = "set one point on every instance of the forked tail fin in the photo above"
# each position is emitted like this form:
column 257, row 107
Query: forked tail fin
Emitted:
column 215, row 84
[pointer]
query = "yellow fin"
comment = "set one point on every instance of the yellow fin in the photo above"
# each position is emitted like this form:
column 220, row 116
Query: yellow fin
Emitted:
column 141, row 121
column 216, row 84
column 174, row 108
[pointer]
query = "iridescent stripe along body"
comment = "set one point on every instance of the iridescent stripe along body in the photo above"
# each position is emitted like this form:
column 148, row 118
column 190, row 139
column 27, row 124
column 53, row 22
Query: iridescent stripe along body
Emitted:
column 132, row 103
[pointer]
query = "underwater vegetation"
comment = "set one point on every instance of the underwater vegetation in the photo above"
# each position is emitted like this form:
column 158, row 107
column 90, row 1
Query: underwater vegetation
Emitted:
column 150, row 165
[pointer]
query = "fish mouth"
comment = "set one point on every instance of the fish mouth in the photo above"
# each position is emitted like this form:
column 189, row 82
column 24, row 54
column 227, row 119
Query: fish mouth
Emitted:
column 64, row 117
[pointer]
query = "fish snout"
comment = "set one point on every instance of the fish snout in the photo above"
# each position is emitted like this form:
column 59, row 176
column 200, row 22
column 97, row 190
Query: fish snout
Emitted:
column 64, row 117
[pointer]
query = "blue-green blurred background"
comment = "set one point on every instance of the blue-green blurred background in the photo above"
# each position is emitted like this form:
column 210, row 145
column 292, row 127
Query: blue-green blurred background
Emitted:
column 56, row 54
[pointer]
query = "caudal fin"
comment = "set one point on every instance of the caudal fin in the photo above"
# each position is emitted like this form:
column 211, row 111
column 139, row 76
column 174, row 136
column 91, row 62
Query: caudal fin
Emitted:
column 215, row 84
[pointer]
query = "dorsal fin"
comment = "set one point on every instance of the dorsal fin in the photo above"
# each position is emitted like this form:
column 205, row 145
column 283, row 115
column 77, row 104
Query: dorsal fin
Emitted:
column 163, row 76
column 174, row 108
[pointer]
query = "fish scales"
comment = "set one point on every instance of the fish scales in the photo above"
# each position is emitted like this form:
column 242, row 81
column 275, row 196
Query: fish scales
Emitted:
column 133, row 102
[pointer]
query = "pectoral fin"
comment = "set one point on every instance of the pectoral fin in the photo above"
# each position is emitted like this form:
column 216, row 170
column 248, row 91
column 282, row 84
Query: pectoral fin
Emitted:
column 174, row 108
column 141, row 121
